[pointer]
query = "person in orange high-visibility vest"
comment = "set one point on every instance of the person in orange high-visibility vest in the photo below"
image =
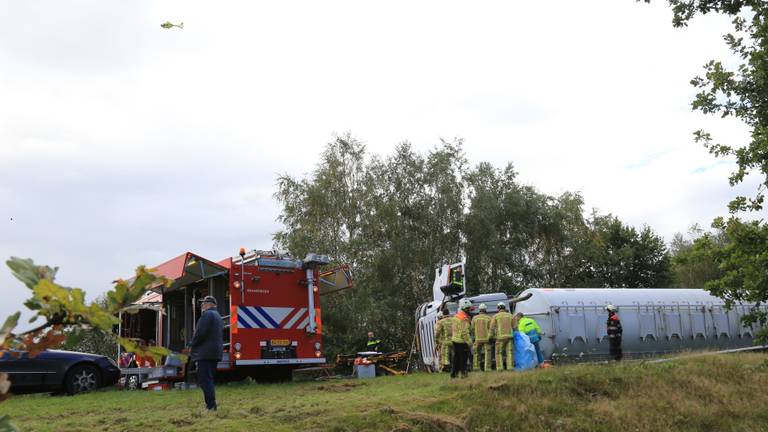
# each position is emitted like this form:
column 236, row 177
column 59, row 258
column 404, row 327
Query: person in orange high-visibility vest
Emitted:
column 461, row 339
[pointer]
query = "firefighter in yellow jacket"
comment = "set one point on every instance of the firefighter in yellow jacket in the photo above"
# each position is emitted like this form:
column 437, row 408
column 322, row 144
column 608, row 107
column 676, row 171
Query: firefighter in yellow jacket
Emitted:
column 443, row 332
column 481, row 332
column 501, row 326
column 461, row 339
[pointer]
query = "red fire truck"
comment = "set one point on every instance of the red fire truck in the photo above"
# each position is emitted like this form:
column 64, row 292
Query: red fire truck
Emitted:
column 270, row 303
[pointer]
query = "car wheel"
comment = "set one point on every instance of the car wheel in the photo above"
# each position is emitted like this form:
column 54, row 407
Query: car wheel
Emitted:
column 82, row 379
column 132, row 382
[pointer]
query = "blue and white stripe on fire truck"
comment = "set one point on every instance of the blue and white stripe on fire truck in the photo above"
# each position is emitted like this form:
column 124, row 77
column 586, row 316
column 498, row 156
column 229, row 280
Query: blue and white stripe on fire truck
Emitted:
column 257, row 317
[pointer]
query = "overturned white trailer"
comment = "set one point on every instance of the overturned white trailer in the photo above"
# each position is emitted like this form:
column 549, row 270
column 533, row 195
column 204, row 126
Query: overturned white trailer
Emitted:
column 573, row 321
column 655, row 321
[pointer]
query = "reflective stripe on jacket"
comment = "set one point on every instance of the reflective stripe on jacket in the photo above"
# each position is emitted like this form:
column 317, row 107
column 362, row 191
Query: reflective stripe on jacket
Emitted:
column 460, row 328
column 481, row 327
column 443, row 332
column 457, row 278
column 527, row 325
column 614, row 326
column 373, row 345
column 501, row 324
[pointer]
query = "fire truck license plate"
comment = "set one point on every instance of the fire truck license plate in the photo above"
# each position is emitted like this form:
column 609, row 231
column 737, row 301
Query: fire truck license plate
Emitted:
column 280, row 342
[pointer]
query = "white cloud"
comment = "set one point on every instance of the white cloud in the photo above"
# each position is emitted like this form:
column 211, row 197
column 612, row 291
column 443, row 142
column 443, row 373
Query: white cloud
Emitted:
column 123, row 143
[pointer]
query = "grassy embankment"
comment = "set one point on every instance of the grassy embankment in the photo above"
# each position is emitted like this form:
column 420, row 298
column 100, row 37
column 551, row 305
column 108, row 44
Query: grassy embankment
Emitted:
column 713, row 393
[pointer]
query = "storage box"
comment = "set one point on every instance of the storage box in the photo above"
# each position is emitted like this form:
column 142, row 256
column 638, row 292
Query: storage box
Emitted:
column 365, row 371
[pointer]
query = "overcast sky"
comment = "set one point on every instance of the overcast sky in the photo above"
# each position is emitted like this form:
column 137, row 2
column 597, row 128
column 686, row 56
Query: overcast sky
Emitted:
column 122, row 143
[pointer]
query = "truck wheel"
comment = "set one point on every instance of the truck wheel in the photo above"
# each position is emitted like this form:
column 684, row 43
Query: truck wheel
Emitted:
column 82, row 379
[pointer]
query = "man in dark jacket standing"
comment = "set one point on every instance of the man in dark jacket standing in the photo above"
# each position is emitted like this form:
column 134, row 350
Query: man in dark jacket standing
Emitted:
column 614, row 330
column 206, row 349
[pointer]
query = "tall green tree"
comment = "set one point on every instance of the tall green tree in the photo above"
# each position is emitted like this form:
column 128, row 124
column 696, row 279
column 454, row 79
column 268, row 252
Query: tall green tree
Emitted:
column 392, row 219
column 323, row 214
column 395, row 218
column 492, row 240
column 693, row 259
column 517, row 237
column 612, row 254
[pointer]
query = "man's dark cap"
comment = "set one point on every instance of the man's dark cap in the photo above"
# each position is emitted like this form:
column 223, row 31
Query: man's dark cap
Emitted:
column 209, row 299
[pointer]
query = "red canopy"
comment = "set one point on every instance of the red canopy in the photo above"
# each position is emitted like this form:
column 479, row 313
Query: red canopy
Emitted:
column 186, row 269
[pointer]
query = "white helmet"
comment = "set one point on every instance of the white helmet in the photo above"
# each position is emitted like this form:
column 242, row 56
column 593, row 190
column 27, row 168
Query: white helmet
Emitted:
column 501, row 305
column 465, row 303
column 483, row 307
column 610, row 308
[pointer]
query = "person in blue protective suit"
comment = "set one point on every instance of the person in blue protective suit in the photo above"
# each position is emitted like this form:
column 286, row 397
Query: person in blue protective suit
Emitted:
column 531, row 328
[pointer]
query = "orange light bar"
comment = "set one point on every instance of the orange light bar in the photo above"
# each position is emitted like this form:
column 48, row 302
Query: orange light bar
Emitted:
column 318, row 321
column 233, row 319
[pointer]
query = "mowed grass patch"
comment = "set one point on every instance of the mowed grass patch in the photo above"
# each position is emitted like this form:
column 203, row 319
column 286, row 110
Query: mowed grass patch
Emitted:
column 712, row 393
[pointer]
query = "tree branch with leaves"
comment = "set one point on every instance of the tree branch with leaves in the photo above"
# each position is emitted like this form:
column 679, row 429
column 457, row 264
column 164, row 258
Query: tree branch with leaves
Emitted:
column 59, row 309
column 739, row 92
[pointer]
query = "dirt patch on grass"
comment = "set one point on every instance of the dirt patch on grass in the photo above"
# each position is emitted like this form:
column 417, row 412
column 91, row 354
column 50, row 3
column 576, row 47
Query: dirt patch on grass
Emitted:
column 590, row 387
column 339, row 388
column 499, row 387
column 120, row 420
column 255, row 410
column 427, row 421
column 181, row 422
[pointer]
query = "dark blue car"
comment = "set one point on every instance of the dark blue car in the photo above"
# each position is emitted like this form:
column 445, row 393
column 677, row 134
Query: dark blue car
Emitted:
column 58, row 371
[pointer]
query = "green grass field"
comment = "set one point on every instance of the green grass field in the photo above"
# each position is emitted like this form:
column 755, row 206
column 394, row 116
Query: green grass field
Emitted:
column 711, row 393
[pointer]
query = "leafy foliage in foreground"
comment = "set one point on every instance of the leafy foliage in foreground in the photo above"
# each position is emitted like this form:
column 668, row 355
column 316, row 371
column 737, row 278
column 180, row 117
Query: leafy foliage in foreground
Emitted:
column 61, row 310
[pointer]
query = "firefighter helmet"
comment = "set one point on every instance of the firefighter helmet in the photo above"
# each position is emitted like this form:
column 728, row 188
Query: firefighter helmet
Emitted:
column 501, row 305
column 483, row 307
column 610, row 308
column 465, row 303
